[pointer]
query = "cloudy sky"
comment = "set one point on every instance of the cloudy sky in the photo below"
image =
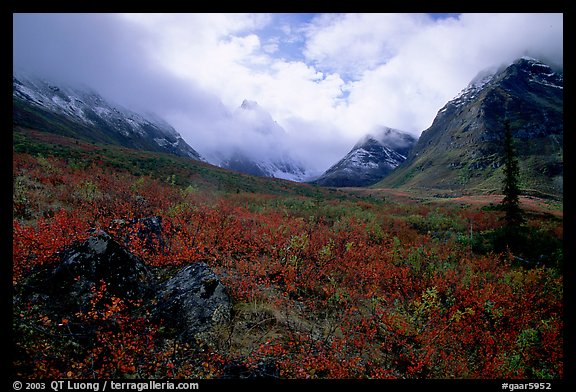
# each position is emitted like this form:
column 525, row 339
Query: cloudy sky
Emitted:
column 327, row 79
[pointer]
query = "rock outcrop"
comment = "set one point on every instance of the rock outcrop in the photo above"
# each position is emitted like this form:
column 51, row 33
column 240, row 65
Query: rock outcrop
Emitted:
column 191, row 303
column 68, row 285
column 194, row 301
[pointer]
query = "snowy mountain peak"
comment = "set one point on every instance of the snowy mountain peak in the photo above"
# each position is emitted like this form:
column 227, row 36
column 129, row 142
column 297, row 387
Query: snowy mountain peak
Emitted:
column 249, row 105
column 373, row 157
column 536, row 71
column 462, row 149
column 471, row 91
column 257, row 146
column 253, row 117
column 525, row 68
column 388, row 137
column 98, row 119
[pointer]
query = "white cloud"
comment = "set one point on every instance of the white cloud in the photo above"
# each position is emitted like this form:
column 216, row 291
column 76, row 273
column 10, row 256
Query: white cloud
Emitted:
column 398, row 69
column 406, row 67
column 354, row 43
column 271, row 45
column 353, row 72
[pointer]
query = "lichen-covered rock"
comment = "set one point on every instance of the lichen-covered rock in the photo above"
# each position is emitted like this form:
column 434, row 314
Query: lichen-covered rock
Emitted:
column 194, row 301
column 150, row 231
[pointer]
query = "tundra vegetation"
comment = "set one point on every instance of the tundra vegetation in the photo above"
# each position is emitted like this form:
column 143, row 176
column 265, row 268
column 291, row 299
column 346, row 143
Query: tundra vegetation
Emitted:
column 324, row 283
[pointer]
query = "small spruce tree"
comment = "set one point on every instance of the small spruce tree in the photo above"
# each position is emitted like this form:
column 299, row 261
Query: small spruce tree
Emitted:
column 514, row 217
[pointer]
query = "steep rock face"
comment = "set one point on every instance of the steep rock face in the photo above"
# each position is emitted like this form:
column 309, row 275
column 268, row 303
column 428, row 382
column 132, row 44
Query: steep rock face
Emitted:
column 370, row 160
column 462, row 149
column 81, row 112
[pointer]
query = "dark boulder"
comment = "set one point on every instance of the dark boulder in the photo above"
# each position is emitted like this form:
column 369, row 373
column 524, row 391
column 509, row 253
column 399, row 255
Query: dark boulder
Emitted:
column 149, row 231
column 69, row 285
column 100, row 258
column 87, row 275
column 193, row 302
column 146, row 230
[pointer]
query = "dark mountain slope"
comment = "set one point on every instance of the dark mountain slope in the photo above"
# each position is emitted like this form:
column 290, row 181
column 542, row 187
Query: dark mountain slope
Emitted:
column 462, row 149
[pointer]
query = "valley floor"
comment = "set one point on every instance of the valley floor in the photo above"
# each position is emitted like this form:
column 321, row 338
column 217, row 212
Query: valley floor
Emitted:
column 355, row 283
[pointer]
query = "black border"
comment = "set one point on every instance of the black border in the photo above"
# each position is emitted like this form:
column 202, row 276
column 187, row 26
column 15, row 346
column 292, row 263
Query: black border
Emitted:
column 562, row 6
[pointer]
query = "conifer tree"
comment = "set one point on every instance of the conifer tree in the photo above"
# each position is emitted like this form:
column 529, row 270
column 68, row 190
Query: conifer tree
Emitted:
column 510, row 188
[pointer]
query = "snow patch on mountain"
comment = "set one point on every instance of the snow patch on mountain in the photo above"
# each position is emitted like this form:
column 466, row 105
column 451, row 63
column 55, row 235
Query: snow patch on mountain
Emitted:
column 256, row 145
column 471, row 91
column 83, row 105
column 538, row 73
column 373, row 157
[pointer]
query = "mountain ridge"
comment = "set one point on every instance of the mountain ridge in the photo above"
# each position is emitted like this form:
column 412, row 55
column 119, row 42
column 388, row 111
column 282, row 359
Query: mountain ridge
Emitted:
column 374, row 156
column 459, row 153
column 82, row 112
column 461, row 150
